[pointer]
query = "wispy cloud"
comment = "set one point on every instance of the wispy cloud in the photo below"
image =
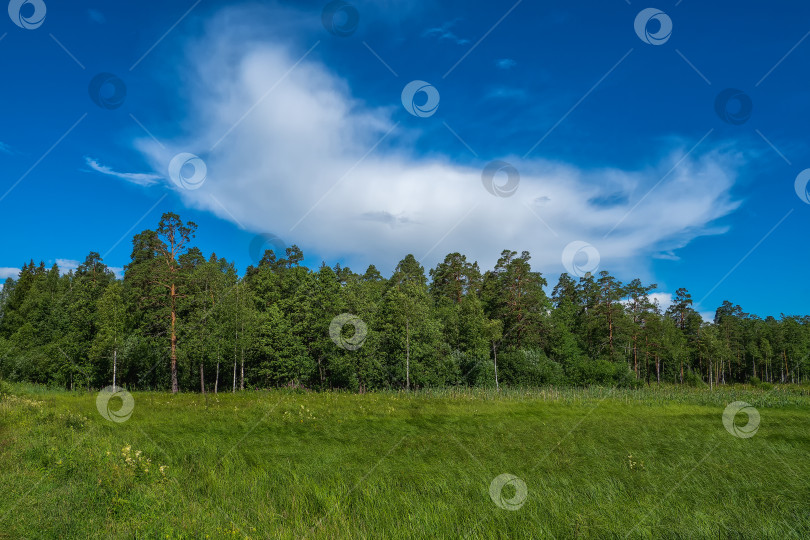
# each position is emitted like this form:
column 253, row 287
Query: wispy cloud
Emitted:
column 141, row 179
column 667, row 256
column 505, row 63
column 504, row 92
column 5, row 149
column 444, row 32
column 96, row 16
column 386, row 217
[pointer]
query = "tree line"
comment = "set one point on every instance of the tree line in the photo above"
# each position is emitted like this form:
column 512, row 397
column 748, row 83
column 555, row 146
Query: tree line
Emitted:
column 180, row 320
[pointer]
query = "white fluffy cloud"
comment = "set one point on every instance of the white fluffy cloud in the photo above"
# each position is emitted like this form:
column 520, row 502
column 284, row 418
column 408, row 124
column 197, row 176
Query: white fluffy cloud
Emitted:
column 664, row 299
column 6, row 272
column 67, row 265
column 289, row 150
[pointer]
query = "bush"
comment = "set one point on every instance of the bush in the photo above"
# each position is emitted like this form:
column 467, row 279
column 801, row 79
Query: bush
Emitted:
column 588, row 372
column 626, row 378
column 602, row 372
column 5, row 389
column 341, row 372
column 528, row 367
column 756, row 382
column 476, row 369
column 692, row 379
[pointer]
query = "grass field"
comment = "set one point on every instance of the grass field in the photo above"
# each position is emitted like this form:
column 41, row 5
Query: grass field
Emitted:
column 280, row 464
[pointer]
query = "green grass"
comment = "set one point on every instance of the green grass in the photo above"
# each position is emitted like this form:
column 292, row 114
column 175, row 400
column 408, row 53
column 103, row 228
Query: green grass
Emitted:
column 281, row 464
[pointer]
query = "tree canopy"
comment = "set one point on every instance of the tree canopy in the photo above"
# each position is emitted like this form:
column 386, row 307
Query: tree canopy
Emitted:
column 181, row 320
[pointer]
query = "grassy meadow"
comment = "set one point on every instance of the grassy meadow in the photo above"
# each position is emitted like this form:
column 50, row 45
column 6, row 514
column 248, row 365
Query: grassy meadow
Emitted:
column 598, row 462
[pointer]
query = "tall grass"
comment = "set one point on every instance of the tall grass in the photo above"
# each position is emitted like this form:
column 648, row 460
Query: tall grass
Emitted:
column 596, row 462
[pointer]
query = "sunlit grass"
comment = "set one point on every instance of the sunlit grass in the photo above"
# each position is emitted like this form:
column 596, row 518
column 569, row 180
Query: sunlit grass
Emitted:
column 596, row 462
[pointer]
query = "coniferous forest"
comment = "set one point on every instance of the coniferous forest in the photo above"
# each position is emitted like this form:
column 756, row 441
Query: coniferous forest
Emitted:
column 183, row 320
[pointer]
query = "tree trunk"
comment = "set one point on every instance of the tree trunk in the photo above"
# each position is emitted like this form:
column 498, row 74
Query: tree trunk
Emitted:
column 115, row 364
column 174, row 340
column 216, row 381
column 495, row 354
column 647, row 360
column 321, row 372
column 202, row 379
column 236, row 338
column 407, row 354
column 242, row 369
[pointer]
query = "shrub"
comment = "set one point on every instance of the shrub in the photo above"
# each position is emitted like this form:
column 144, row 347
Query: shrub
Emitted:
column 692, row 379
column 587, row 372
column 528, row 367
column 476, row 369
column 762, row 385
column 602, row 372
column 756, row 382
column 5, row 389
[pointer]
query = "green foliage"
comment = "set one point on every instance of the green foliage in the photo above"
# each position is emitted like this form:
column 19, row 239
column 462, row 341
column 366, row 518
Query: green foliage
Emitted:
column 180, row 320
column 601, row 372
column 756, row 382
column 528, row 367
column 5, row 389
column 692, row 379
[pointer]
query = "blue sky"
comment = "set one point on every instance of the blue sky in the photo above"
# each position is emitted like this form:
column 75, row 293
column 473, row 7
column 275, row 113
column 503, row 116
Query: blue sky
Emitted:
column 615, row 134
